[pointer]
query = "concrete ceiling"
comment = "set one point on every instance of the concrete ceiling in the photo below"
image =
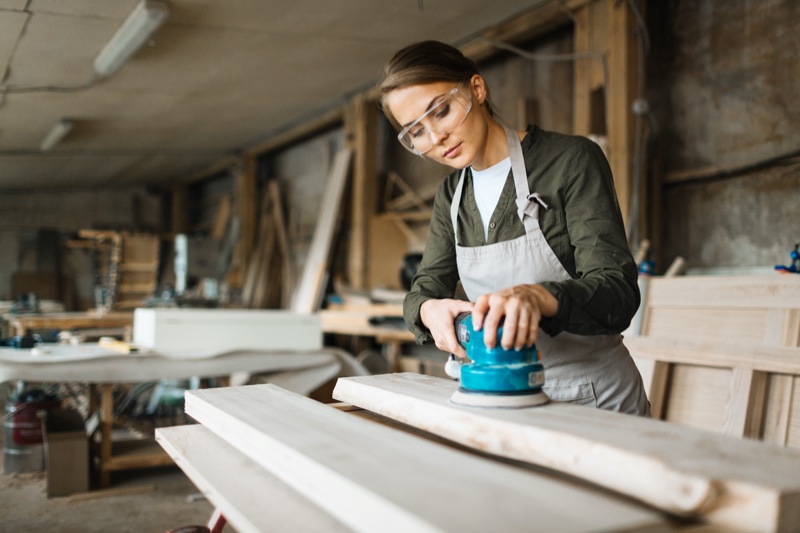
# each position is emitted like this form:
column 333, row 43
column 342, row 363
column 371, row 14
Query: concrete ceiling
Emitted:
column 218, row 77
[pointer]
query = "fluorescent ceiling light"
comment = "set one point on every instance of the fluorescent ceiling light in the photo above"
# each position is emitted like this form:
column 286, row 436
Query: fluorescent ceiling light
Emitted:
column 56, row 134
column 143, row 21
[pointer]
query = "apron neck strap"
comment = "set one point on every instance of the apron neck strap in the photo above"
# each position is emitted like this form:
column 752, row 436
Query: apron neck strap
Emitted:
column 517, row 171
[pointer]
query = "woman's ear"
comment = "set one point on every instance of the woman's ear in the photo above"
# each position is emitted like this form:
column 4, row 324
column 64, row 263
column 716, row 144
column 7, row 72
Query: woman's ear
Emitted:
column 478, row 87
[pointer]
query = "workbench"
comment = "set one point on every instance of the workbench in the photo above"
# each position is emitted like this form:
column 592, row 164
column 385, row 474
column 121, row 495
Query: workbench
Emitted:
column 354, row 320
column 270, row 460
column 21, row 324
column 102, row 369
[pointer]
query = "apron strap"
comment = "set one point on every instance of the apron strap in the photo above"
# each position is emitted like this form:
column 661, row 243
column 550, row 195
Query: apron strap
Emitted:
column 454, row 205
column 524, row 199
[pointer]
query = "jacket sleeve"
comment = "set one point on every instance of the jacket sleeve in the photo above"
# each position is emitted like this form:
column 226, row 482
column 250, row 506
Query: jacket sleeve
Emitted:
column 438, row 272
column 605, row 295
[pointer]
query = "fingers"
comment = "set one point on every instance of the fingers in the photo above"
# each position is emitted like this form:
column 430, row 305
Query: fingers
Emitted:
column 491, row 322
column 479, row 310
column 521, row 310
column 510, row 325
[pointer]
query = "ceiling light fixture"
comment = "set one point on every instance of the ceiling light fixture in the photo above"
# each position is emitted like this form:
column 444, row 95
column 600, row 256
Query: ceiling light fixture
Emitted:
column 143, row 21
column 56, row 134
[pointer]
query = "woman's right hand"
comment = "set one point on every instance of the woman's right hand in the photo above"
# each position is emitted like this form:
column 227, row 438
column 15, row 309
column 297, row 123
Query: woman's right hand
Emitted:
column 439, row 317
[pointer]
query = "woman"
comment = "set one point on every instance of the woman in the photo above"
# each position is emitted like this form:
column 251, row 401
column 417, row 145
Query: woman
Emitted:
column 530, row 225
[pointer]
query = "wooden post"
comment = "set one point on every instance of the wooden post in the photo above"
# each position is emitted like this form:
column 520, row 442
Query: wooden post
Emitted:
column 622, row 60
column 245, row 188
column 361, row 124
column 106, row 426
column 581, row 91
column 180, row 210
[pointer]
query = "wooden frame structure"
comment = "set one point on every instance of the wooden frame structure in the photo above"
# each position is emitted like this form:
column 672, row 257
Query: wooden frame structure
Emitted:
column 723, row 353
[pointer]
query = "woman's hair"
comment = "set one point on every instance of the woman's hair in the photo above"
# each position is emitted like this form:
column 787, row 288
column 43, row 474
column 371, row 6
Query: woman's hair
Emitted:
column 423, row 63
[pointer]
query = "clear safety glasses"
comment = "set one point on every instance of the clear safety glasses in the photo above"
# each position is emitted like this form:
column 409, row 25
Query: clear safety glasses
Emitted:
column 444, row 117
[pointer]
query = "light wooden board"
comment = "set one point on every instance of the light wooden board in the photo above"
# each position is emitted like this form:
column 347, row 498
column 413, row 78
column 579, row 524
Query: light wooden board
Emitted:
column 699, row 396
column 722, row 354
column 732, row 482
column 250, row 498
column 307, row 296
column 375, row 478
column 747, row 292
column 706, row 324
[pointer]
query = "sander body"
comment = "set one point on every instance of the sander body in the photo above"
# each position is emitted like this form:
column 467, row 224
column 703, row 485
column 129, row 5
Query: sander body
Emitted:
column 495, row 377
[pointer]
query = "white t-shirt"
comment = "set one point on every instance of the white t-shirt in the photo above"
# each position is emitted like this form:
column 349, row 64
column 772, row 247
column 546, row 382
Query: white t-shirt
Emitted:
column 488, row 185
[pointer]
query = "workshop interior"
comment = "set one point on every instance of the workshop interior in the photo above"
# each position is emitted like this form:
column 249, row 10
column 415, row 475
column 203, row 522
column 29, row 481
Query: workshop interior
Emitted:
column 214, row 234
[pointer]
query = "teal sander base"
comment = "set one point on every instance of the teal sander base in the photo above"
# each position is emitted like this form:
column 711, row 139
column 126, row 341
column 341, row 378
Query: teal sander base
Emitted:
column 497, row 377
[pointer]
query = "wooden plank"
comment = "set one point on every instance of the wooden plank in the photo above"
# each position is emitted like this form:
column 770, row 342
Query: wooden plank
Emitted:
column 738, row 483
column 374, row 478
column 779, row 409
column 308, row 294
column 245, row 209
column 250, row 498
column 656, row 380
column 777, row 359
column 221, row 218
column 279, row 222
column 707, row 323
column 256, row 262
column 699, row 396
column 741, row 292
column 782, row 327
column 744, row 412
column 793, row 430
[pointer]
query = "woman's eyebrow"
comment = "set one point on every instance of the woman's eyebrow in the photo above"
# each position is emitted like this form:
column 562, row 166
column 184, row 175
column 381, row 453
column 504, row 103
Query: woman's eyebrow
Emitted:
column 430, row 105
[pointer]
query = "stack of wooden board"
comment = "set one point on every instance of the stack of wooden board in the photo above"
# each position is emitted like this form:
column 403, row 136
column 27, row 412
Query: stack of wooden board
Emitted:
column 347, row 472
column 723, row 353
column 732, row 483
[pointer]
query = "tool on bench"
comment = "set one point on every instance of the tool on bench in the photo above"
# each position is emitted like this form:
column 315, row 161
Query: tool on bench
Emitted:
column 496, row 377
column 793, row 268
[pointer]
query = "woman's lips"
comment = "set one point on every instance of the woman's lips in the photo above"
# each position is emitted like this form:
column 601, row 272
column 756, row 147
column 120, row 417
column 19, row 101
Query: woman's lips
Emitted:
column 453, row 152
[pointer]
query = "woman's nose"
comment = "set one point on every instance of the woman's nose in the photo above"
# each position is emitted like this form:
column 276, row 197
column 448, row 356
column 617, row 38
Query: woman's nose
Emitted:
column 437, row 138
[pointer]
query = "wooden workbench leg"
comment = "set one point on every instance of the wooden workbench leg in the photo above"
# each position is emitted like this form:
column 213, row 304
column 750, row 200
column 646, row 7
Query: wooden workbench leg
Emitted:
column 391, row 351
column 106, row 423
column 92, row 408
column 217, row 522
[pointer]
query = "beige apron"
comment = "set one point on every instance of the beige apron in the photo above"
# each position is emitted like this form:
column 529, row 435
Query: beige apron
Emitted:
column 594, row 370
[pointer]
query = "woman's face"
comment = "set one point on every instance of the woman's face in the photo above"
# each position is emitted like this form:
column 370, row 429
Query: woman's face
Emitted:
column 459, row 147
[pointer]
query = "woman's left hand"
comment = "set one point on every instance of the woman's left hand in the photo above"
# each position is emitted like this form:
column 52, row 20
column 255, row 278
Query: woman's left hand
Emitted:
column 523, row 306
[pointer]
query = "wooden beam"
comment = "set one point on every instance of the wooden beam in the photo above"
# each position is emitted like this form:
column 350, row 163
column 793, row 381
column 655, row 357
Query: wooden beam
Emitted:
column 778, row 417
column 581, row 85
column 621, row 93
column 363, row 117
column 736, row 483
column 541, row 19
column 740, row 292
column 322, row 122
column 778, row 359
column 374, row 478
column 246, row 199
column 309, row 291
column 745, row 408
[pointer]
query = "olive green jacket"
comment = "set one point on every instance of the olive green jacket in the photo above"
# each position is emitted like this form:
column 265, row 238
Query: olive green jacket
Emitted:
column 583, row 225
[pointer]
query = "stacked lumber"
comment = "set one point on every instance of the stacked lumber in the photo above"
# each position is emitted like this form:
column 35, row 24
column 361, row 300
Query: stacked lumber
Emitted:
column 723, row 353
column 732, row 483
column 369, row 477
